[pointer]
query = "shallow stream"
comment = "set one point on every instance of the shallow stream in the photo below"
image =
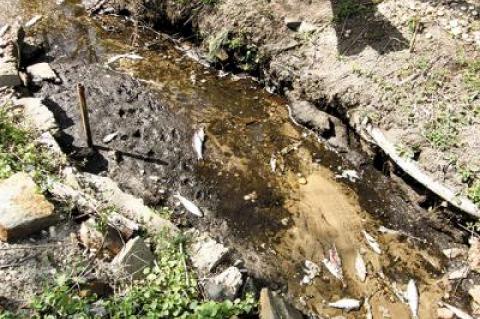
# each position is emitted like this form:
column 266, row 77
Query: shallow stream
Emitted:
column 276, row 220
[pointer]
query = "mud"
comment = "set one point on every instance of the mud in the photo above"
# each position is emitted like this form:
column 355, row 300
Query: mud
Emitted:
column 156, row 104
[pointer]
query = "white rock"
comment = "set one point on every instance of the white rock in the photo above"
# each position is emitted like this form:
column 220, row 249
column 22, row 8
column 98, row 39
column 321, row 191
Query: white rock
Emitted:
column 225, row 285
column 33, row 21
column 207, row 254
column 110, row 137
column 41, row 72
column 37, row 115
column 461, row 273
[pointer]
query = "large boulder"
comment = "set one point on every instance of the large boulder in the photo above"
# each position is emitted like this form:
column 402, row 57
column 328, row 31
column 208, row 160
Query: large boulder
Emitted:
column 23, row 210
column 37, row 115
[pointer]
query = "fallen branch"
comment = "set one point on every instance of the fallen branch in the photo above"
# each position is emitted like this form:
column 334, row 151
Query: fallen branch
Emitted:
column 409, row 167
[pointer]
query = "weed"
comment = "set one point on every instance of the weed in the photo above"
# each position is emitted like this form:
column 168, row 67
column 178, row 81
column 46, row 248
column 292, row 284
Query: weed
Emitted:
column 18, row 152
column 348, row 9
column 169, row 290
column 442, row 132
column 473, row 192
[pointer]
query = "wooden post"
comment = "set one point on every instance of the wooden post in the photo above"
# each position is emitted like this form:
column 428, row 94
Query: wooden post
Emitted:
column 84, row 114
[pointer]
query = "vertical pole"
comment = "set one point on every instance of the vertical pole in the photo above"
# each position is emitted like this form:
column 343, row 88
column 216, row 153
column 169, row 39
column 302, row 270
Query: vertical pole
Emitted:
column 84, row 114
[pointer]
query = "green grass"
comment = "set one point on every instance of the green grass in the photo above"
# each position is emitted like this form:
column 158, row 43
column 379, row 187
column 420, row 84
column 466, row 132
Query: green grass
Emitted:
column 19, row 152
column 169, row 290
column 443, row 131
column 349, row 9
column 473, row 192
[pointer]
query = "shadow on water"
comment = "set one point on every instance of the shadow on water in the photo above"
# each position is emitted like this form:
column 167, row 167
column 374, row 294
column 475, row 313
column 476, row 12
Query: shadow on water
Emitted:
column 358, row 24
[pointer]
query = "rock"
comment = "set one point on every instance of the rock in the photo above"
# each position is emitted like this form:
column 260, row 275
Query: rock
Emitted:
column 46, row 139
column 306, row 27
column 93, row 238
column 41, row 72
column 272, row 306
column 474, row 254
column 445, row 313
column 225, row 285
column 133, row 259
column 129, row 205
column 37, row 115
column 23, row 210
column 9, row 75
column 452, row 253
column 292, row 23
column 308, row 115
column 460, row 273
column 207, row 254
column 302, row 181
column 474, row 292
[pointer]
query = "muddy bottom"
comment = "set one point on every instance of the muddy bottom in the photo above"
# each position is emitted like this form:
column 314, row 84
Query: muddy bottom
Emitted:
column 276, row 219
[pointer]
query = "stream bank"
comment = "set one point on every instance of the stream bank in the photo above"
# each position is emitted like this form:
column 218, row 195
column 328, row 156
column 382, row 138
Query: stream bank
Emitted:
column 274, row 220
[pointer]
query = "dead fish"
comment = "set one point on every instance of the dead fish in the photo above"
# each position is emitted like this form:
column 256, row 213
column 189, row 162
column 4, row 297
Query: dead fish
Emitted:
column 372, row 242
column 346, row 304
column 334, row 263
column 311, row 270
column 412, row 297
column 273, row 163
column 368, row 308
column 190, row 206
column 4, row 30
column 458, row 312
column 360, row 267
column 198, row 140
column 124, row 56
column 33, row 21
column 110, row 137
column 349, row 174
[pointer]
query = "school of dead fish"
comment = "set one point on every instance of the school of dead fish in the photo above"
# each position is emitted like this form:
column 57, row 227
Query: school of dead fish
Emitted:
column 333, row 263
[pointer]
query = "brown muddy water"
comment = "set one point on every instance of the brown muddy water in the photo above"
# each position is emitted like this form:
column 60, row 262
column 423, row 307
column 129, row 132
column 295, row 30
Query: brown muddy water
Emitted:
column 275, row 220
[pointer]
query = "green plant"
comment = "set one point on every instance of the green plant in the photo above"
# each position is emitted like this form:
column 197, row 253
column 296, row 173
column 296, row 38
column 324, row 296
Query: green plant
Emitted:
column 473, row 192
column 19, row 152
column 348, row 9
column 169, row 290
column 443, row 130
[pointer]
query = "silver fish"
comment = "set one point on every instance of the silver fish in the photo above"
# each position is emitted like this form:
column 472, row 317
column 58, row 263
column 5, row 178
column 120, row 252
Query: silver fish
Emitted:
column 368, row 308
column 190, row 206
column 334, row 263
column 273, row 163
column 360, row 267
column 412, row 297
column 198, row 140
column 347, row 304
column 458, row 312
column 124, row 56
column 372, row 242
column 33, row 21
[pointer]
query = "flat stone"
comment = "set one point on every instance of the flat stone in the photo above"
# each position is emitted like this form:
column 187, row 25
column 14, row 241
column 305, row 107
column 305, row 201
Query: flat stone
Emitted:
column 307, row 114
column 474, row 292
column 452, row 253
column 9, row 75
column 23, row 210
column 37, row 115
column 133, row 259
column 292, row 23
column 41, row 72
column 207, row 254
column 272, row 306
column 445, row 313
column 474, row 254
column 225, row 285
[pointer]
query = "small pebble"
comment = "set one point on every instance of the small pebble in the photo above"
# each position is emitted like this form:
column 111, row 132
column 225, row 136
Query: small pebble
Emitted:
column 302, row 181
